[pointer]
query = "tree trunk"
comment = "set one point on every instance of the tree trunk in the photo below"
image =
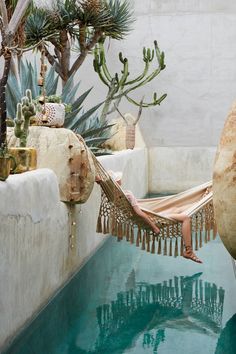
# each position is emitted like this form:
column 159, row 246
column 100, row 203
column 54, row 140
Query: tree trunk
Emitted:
column 3, row 111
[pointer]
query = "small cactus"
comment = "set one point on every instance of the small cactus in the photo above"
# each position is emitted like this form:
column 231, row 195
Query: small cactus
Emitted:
column 25, row 111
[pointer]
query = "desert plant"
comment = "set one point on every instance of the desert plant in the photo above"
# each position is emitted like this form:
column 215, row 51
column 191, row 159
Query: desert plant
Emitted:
column 85, row 123
column 9, row 25
column 121, row 86
column 25, row 111
column 77, row 25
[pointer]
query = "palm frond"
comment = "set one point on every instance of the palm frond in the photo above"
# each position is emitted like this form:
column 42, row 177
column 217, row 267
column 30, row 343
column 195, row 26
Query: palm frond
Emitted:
column 39, row 25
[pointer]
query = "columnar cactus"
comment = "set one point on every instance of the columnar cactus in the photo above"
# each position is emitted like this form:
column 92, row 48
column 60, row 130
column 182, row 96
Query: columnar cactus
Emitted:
column 25, row 110
column 119, row 87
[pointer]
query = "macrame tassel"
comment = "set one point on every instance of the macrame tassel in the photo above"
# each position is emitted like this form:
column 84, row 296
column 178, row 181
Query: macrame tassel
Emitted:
column 115, row 232
column 139, row 237
column 113, row 225
column 108, row 225
column 131, row 234
column 168, row 231
column 170, row 249
column 176, row 247
column 143, row 240
column 148, row 241
column 159, row 248
column 127, row 232
column 123, row 229
column 200, row 241
column 205, row 239
column 99, row 224
column 182, row 247
column 104, row 225
column 165, row 247
column 153, row 244
column 196, row 240
column 119, row 231
column 208, row 234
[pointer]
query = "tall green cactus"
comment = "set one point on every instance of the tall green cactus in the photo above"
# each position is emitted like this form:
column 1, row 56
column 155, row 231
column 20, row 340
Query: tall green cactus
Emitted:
column 120, row 86
column 25, row 110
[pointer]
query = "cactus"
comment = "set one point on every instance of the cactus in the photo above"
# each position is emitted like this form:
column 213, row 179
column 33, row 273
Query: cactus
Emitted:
column 119, row 87
column 25, row 110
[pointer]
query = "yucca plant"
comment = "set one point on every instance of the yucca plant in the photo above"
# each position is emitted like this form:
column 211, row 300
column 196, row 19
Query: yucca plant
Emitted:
column 76, row 25
column 85, row 123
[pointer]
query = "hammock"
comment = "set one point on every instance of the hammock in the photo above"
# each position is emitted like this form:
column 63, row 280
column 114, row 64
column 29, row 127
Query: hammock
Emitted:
column 118, row 218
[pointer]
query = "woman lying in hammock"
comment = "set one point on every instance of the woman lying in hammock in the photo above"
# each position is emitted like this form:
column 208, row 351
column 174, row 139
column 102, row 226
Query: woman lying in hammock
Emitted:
column 175, row 213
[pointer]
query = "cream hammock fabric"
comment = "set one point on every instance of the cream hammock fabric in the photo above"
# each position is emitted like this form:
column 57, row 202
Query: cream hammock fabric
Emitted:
column 118, row 218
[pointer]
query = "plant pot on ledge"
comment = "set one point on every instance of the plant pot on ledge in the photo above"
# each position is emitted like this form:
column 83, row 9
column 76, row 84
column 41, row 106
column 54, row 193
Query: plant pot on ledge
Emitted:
column 51, row 115
column 7, row 162
column 25, row 158
column 7, row 165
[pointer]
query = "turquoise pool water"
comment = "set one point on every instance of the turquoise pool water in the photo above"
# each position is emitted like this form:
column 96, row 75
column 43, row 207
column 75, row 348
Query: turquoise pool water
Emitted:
column 125, row 300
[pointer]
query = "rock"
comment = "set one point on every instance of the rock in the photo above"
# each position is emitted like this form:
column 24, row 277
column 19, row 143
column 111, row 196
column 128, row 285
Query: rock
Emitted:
column 224, row 184
column 65, row 153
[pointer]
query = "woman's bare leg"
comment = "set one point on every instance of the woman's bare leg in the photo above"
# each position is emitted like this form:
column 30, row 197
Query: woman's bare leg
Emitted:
column 186, row 233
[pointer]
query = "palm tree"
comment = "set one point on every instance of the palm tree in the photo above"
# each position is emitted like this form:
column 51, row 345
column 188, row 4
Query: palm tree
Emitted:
column 10, row 22
column 76, row 25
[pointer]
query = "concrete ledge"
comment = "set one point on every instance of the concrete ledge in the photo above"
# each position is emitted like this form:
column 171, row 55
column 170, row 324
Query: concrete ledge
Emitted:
column 37, row 253
column 174, row 169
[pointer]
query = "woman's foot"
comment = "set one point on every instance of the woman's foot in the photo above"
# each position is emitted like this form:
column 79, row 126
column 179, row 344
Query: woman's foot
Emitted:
column 189, row 254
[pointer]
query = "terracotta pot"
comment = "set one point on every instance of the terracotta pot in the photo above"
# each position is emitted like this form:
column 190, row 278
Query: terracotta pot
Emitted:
column 26, row 159
column 224, row 184
column 7, row 164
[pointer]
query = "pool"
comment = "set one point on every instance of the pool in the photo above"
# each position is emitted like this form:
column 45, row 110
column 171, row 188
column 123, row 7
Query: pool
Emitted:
column 125, row 300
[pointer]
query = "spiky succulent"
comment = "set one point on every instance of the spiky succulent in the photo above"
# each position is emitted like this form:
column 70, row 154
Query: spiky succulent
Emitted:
column 85, row 123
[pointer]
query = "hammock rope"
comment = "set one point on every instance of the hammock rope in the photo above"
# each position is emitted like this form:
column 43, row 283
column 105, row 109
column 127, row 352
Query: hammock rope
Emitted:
column 118, row 218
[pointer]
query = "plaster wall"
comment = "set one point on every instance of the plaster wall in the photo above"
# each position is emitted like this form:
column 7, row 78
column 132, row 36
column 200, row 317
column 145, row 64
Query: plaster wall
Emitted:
column 37, row 254
column 198, row 39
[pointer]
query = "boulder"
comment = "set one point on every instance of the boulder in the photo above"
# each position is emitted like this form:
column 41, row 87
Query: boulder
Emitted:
column 67, row 155
column 224, row 184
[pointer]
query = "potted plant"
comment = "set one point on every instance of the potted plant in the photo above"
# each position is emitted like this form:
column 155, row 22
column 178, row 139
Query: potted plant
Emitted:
column 50, row 111
column 7, row 163
column 26, row 157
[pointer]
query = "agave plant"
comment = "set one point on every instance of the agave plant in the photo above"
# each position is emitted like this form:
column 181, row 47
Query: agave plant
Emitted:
column 82, row 122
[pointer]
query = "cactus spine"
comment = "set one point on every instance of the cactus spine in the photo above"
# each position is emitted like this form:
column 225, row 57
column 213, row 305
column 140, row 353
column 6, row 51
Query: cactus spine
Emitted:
column 120, row 86
column 25, row 110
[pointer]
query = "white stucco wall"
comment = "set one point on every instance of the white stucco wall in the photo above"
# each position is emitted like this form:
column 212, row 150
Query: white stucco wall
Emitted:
column 198, row 39
column 36, row 257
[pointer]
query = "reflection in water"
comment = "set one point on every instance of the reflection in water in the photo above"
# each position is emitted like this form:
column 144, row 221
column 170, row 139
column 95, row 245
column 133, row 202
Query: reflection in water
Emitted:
column 150, row 341
column 182, row 302
column 143, row 309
